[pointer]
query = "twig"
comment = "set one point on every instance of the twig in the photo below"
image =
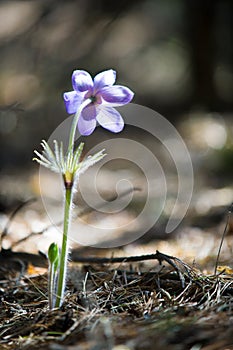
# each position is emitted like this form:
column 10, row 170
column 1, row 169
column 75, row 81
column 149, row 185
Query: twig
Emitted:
column 158, row 256
column 96, row 260
column 223, row 236
column 11, row 107
column 17, row 209
column 35, row 259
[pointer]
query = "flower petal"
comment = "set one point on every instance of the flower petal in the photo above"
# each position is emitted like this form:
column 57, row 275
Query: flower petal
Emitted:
column 86, row 127
column 116, row 95
column 89, row 112
column 110, row 119
column 72, row 101
column 81, row 81
column 106, row 78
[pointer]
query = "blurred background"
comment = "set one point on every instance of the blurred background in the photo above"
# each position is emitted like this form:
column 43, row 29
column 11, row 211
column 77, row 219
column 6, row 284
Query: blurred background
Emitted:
column 176, row 55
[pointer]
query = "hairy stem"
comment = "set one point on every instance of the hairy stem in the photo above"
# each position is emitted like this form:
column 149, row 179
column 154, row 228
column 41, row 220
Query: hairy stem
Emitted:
column 64, row 249
column 75, row 122
column 60, row 288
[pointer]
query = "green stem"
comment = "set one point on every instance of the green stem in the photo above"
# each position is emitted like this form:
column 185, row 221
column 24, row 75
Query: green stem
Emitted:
column 64, row 250
column 67, row 214
column 75, row 122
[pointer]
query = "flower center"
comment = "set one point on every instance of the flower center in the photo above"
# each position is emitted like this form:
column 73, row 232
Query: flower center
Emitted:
column 93, row 99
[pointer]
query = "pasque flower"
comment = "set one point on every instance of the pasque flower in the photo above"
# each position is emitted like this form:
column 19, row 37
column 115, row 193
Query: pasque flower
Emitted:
column 103, row 96
column 91, row 101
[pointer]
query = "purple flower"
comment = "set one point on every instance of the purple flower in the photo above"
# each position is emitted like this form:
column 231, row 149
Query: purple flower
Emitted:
column 103, row 95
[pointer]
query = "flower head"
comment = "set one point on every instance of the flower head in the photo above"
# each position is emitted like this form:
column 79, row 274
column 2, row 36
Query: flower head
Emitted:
column 103, row 97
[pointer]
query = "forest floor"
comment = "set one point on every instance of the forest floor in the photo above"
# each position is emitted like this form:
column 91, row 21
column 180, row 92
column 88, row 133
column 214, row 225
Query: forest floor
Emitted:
column 153, row 301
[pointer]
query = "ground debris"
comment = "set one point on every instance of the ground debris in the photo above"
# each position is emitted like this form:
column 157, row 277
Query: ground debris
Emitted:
column 127, row 304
